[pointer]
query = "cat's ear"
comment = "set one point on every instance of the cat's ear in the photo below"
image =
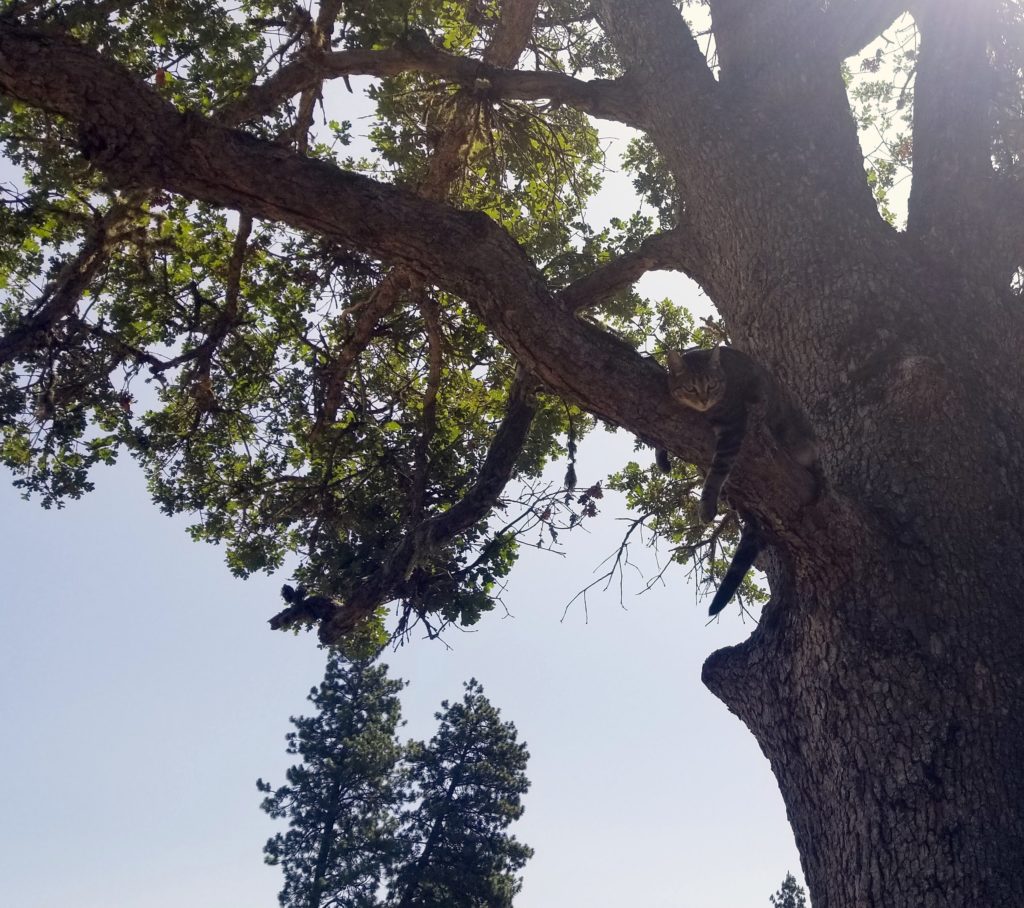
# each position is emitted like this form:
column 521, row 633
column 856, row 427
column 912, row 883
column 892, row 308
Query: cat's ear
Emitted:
column 675, row 361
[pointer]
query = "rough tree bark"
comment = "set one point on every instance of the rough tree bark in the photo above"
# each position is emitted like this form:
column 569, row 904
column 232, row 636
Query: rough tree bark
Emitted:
column 885, row 682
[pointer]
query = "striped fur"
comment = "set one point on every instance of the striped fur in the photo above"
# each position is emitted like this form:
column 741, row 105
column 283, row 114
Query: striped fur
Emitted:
column 724, row 384
column 719, row 383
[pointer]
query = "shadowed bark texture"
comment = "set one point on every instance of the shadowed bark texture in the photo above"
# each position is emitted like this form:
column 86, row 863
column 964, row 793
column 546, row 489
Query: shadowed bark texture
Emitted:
column 885, row 681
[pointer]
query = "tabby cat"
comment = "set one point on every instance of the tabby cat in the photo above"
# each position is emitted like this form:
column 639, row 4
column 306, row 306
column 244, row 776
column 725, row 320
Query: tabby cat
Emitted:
column 725, row 383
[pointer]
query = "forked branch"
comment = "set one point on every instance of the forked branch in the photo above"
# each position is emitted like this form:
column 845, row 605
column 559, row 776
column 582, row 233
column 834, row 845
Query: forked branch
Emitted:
column 338, row 618
column 608, row 99
column 61, row 296
column 663, row 251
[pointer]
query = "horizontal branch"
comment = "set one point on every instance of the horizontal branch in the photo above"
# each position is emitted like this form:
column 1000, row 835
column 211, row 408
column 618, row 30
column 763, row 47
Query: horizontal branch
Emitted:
column 607, row 99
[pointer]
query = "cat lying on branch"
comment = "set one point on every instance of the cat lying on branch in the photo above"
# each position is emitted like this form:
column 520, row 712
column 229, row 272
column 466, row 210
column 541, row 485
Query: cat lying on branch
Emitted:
column 725, row 385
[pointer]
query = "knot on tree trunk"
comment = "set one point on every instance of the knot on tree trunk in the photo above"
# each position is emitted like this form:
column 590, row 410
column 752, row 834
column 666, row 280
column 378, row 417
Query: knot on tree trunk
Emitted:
column 739, row 675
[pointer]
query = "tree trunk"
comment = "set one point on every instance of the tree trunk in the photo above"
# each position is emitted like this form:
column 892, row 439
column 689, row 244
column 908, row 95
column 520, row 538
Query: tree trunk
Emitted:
column 411, row 889
column 887, row 696
column 884, row 683
column 324, row 846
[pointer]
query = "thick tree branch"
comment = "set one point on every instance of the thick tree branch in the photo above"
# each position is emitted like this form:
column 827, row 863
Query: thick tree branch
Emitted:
column 653, row 39
column 610, row 100
column 853, row 24
column 326, row 19
column 663, row 251
column 952, row 197
column 513, row 32
column 755, row 38
column 139, row 139
column 319, row 39
column 782, row 79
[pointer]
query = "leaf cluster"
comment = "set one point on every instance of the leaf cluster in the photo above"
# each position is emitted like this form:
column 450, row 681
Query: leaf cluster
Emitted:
column 880, row 85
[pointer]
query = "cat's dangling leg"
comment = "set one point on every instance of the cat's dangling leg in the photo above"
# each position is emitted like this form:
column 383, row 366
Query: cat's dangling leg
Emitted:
column 709, row 499
column 728, row 439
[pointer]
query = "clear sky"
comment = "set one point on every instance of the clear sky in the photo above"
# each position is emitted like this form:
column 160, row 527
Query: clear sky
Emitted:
column 142, row 694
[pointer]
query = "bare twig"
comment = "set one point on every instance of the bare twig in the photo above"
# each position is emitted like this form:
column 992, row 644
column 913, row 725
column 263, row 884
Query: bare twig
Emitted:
column 618, row 558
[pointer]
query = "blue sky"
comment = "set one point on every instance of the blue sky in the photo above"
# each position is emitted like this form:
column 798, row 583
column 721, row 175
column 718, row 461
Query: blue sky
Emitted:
column 142, row 694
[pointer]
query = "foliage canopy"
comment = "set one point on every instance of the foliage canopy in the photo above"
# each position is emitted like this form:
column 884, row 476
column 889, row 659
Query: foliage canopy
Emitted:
column 295, row 396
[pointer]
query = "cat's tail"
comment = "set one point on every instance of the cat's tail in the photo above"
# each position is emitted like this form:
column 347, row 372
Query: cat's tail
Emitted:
column 750, row 544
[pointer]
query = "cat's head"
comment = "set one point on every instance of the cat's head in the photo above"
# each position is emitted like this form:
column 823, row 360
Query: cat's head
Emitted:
column 696, row 378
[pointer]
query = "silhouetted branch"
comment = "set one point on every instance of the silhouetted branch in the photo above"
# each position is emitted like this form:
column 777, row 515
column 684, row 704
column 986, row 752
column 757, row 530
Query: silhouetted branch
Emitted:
column 61, row 296
column 608, row 99
column 658, row 252
column 431, row 534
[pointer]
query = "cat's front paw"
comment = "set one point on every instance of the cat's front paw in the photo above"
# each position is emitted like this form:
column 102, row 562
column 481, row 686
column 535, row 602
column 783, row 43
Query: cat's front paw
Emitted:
column 708, row 507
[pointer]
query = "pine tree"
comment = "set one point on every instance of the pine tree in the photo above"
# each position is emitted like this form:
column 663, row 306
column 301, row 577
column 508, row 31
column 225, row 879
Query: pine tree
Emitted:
column 344, row 798
column 790, row 894
column 470, row 778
